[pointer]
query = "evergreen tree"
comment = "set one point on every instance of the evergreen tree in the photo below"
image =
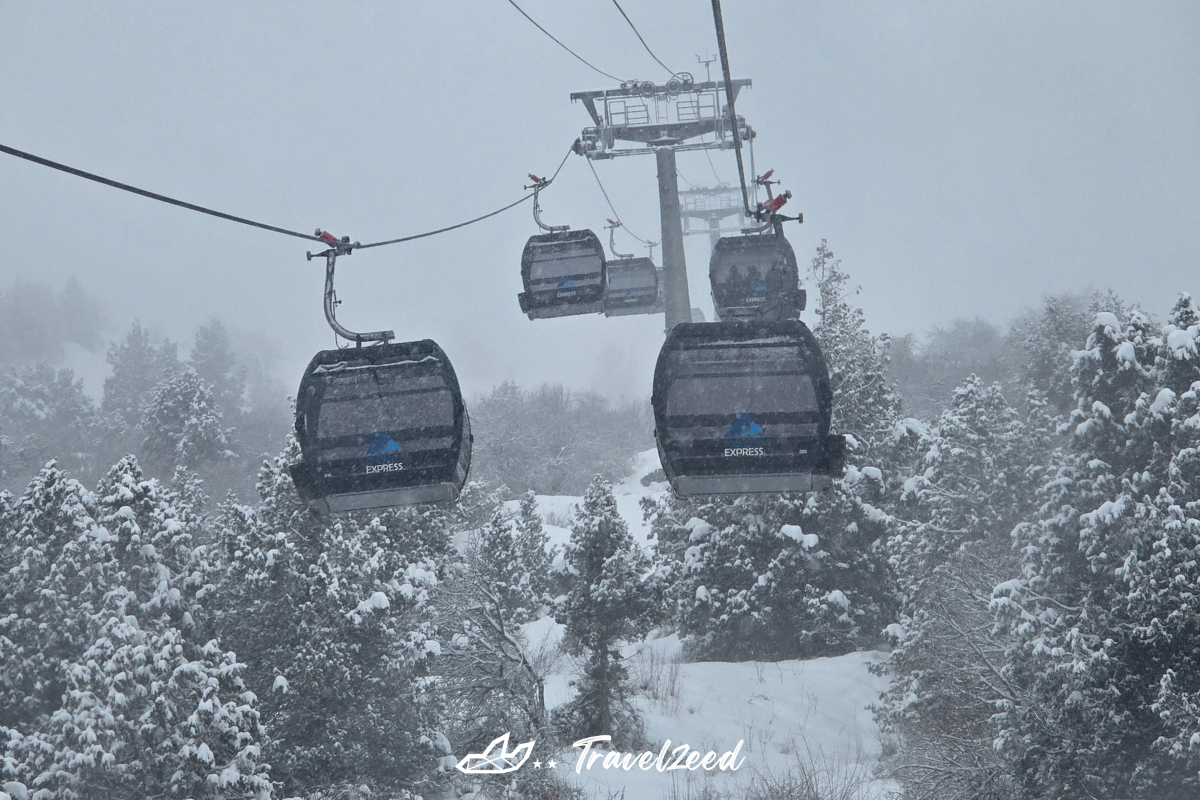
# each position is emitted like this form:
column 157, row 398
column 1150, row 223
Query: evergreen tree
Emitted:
column 138, row 366
column 510, row 556
column 612, row 602
column 1041, row 342
column 534, row 552
column 46, row 415
column 866, row 403
column 110, row 691
column 216, row 364
column 976, row 479
column 53, row 557
column 328, row 614
column 1103, row 614
column 183, row 425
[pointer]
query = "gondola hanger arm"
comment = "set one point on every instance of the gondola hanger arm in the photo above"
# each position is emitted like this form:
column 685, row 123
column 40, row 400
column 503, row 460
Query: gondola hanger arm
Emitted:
column 537, row 186
column 612, row 239
column 341, row 247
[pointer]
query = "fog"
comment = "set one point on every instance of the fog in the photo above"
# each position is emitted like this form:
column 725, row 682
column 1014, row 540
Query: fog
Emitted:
column 963, row 161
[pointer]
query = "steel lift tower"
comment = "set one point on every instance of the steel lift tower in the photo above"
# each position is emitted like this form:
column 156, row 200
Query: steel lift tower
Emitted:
column 711, row 205
column 680, row 115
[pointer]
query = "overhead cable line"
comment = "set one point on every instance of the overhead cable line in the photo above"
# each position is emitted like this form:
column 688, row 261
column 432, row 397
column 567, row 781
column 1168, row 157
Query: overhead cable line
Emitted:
column 733, row 123
column 640, row 39
column 45, row 162
column 476, row 219
column 713, row 168
column 563, row 46
column 613, row 209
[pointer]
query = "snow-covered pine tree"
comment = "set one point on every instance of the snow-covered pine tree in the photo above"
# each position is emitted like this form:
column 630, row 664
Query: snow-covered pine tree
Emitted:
column 329, row 616
column 139, row 718
column 869, row 406
column 45, row 415
column 111, row 691
column 215, row 362
column 613, row 601
column 1040, row 343
column 1103, row 613
column 976, row 478
column 784, row 576
column 511, row 558
column 489, row 679
column 536, row 555
column 138, row 365
column 950, row 545
column 53, row 552
column 183, row 425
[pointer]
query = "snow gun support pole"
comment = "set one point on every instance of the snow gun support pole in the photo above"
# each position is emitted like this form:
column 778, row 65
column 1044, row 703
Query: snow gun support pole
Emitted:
column 341, row 247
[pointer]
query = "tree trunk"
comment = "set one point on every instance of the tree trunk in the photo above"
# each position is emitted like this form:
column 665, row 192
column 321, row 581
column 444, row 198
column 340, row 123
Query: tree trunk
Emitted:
column 604, row 692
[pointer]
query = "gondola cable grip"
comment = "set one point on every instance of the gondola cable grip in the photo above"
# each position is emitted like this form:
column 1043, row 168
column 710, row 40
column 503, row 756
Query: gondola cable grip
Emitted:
column 341, row 247
column 537, row 186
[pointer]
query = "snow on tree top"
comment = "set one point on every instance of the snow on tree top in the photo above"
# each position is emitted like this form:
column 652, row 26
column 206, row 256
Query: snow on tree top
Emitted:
column 806, row 540
column 1182, row 343
column 377, row 601
column 1162, row 402
column 1108, row 321
column 699, row 529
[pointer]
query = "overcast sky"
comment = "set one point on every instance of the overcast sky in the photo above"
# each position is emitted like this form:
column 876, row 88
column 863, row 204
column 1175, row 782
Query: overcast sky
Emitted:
column 962, row 159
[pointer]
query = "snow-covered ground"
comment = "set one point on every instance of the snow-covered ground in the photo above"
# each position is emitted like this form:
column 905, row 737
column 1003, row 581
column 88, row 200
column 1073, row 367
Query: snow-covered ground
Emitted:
column 795, row 716
column 798, row 716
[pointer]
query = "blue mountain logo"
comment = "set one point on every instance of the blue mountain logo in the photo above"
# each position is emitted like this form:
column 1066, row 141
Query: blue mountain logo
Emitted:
column 743, row 427
column 383, row 444
column 565, row 283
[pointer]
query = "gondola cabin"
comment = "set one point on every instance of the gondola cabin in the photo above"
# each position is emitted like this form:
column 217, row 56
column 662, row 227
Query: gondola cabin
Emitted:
column 631, row 287
column 743, row 408
column 755, row 277
column 563, row 274
column 381, row 426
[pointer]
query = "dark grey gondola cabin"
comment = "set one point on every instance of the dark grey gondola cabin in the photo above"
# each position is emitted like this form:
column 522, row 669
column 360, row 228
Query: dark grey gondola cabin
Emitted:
column 755, row 277
column 744, row 408
column 381, row 426
column 631, row 287
column 563, row 275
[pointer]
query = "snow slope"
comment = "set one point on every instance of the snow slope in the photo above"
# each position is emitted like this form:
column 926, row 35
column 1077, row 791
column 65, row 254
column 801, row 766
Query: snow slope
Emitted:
column 788, row 715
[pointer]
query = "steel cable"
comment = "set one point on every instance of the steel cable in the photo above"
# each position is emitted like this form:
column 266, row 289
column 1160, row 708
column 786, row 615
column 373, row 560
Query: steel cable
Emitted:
column 45, row 162
column 643, row 41
column 563, row 46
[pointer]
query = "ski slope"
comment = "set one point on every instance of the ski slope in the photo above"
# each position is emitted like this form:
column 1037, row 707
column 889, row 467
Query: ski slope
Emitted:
column 795, row 716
